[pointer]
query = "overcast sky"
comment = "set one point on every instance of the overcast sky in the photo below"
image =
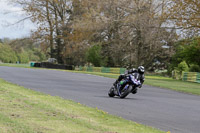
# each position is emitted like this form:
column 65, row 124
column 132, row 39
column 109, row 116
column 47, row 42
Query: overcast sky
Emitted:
column 10, row 14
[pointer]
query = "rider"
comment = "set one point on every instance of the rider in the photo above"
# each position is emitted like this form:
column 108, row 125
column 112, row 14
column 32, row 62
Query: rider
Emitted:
column 140, row 71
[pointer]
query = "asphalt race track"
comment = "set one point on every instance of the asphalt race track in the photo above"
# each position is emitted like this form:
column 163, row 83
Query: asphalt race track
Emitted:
column 160, row 108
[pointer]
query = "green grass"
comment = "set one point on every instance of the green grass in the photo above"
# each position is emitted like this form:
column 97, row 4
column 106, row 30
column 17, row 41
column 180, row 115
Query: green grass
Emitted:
column 177, row 85
column 26, row 111
column 158, row 81
column 15, row 65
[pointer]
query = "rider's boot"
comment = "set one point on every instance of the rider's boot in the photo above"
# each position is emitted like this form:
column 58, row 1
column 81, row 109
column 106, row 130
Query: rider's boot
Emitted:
column 134, row 91
column 115, row 83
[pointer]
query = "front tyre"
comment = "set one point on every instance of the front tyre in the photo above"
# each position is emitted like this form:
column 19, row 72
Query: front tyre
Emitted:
column 111, row 92
column 124, row 93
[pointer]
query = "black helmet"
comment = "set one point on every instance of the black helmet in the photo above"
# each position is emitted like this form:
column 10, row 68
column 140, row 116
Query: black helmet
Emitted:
column 141, row 69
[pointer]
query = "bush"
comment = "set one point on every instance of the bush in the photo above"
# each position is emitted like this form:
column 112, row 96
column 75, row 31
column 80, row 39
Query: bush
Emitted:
column 194, row 68
column 183, row 67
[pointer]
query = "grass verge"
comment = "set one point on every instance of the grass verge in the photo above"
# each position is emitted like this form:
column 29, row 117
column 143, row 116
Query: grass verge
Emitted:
column 177, row 85
column 15, row 65
column 26, row 111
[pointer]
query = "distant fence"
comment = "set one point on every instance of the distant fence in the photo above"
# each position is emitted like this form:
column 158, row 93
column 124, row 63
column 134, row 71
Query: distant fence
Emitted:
column 101, row 69
column 191, row 76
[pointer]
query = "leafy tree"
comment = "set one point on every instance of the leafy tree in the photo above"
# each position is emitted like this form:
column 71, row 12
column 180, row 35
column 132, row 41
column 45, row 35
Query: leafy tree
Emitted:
column 191, row 51
column 93, row 55
column 23, row 57
column 41, row 56
column 187, row 50
column 33, row 56
column 7, row 55
column 27, row 50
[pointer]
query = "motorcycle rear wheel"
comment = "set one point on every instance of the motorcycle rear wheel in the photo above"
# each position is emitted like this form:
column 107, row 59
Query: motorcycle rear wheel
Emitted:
column 111, row 92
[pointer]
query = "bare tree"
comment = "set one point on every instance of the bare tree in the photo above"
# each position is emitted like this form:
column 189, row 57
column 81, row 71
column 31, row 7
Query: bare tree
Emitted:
column 131, row 31
column 50, row 16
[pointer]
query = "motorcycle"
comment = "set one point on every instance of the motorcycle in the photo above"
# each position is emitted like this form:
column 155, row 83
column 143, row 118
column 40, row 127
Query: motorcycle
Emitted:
column 126, row 86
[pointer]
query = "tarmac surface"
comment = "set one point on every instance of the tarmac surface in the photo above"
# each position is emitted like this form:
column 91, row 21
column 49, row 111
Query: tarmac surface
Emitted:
column 160, row 108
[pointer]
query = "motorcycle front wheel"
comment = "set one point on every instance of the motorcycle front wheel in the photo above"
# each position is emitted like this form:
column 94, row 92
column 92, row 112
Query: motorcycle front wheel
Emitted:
column 125, row 92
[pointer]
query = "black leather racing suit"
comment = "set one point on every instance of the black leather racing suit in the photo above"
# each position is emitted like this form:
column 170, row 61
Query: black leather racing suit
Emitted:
column 141, row 77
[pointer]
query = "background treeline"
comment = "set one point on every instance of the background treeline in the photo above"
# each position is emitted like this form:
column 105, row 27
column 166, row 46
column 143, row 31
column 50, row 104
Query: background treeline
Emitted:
column 187, row 56
column 20, row 51
column 117, row 33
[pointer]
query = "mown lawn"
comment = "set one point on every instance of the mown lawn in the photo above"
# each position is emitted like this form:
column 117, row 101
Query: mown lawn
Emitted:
column 26, row 111
column 15, row 65
column 177, row 85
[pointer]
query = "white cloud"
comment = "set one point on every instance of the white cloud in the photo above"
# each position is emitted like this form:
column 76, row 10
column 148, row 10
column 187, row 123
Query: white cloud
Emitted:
column 9, row 15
